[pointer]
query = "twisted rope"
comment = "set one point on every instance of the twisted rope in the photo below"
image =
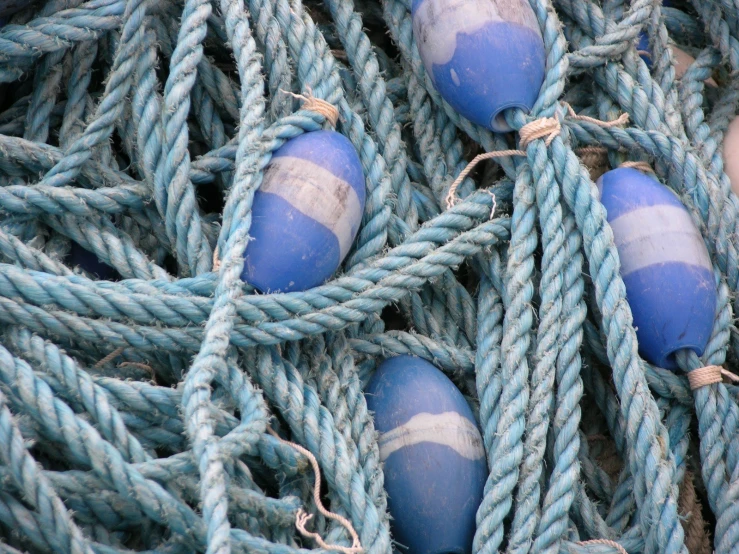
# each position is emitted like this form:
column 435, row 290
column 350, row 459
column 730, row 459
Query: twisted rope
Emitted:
column 137, row 412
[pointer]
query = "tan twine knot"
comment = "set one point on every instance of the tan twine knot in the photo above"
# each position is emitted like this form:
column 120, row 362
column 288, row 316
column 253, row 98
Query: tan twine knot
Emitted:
column 302, row 517
column 644, row 167
column 543, row 127
column 548, row 127
column 216, row 260
column 709, row 375
column 317, row 105
column 622, row 119
column 605, row 542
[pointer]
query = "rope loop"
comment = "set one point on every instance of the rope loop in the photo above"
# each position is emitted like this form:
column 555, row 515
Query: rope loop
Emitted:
column 451, row 198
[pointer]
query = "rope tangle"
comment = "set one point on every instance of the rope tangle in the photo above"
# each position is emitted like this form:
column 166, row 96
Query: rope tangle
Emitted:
column 139, row 374
column 548, row 127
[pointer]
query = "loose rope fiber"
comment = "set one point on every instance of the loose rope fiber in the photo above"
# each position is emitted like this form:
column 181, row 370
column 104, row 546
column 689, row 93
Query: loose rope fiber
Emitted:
column 153, row 402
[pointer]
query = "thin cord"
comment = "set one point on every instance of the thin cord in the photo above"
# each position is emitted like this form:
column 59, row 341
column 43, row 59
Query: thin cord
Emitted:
column 302, row 517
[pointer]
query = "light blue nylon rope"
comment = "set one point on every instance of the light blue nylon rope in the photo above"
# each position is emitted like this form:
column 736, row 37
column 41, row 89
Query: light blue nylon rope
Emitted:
column 123, row 115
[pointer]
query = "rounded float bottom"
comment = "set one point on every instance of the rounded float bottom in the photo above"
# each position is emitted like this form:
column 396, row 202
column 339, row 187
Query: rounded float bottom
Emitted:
column 498, row 123
column 670, row 359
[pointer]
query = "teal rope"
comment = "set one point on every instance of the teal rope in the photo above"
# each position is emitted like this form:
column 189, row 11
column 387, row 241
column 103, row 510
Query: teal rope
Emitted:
column 118, row 117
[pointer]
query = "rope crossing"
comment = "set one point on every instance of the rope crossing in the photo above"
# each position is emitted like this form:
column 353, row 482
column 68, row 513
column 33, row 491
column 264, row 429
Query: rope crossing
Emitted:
column 152, row 401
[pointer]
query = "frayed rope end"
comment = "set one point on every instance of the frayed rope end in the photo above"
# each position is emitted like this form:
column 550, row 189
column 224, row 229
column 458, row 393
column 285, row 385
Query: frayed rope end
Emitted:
column 302, row 517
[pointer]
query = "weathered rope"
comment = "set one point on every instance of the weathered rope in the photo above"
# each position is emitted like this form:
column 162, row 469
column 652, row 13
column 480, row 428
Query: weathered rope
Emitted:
column 548, row 127
column 641, row 166
column 697, row 540
column 136, row 396
column 605, row 542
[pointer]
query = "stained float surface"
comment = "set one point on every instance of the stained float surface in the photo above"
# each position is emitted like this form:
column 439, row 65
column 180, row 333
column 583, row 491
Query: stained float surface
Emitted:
column 433, row 455
column 483, row 56
column 664, row 265
column 306, row 213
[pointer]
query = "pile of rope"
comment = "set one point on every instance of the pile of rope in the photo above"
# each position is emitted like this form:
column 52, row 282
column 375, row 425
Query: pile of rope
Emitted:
column 150, row 411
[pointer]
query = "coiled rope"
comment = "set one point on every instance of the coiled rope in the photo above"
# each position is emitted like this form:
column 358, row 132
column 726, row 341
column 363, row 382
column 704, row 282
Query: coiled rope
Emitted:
column 156, row 410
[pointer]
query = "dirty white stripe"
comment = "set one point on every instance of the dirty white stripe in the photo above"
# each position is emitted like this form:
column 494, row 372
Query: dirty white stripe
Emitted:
column 655, row 235
column 449, row 429
column 436, row 23
column 317, row 193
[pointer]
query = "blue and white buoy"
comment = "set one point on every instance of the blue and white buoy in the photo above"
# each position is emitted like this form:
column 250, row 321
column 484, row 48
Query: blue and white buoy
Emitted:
column 664, row 264
column 483, row 56
column 306, row 213
column 434, row 460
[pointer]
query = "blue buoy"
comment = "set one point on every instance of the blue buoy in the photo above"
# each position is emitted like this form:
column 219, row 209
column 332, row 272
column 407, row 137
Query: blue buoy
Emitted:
column 483, row 56
column 434, row 460
column 79, row 257
column 306, row 213
column 664, row 264
column 642, row 47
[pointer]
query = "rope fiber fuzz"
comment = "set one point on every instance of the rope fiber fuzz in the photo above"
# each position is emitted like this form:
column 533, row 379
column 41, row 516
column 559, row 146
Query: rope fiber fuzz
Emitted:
column 141, row 377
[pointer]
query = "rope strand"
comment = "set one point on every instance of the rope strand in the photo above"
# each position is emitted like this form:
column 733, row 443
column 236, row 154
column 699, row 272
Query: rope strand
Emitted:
column 139, row 373
column 302, row 518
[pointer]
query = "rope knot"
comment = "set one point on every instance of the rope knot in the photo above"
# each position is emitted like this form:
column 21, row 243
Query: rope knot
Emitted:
column 709, row 375
column 644, row 167
column 543, row 127
column 317, row 105
column 548, row 127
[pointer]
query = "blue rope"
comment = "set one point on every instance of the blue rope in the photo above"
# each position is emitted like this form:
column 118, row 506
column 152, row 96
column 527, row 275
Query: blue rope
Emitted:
column 135, row 412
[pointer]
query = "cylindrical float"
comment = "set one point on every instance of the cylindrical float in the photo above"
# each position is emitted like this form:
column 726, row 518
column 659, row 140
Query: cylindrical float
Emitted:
column 483, row 56
column 434, row 460
column 306, row 213
column 664, row 264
